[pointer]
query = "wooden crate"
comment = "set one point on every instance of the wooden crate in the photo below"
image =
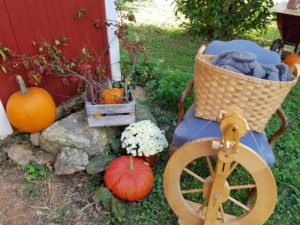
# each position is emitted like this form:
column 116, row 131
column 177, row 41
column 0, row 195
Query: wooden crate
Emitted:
column 113, row 115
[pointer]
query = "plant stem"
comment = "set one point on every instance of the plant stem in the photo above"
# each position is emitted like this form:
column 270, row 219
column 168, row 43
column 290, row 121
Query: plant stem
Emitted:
column 131, row 164
column 22, row 85
column 128, row 77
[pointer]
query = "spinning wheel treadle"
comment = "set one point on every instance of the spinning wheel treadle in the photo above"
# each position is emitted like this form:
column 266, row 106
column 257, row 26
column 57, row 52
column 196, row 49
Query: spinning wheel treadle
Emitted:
column 216, row 189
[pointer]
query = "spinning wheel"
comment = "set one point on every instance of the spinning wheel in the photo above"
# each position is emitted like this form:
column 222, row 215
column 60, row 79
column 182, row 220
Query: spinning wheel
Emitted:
column 215, row 187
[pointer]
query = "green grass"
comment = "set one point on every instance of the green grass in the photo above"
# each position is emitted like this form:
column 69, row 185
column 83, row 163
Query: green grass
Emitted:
column 174, row 50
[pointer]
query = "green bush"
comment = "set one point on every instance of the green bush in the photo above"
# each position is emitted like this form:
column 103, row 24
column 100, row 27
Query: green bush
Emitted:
column 166, row 89
column 224, row 19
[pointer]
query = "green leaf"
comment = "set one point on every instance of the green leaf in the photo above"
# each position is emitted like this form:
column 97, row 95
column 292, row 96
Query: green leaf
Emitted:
column 116, row 145
column 99, row 164
column 31, row 177
column 31, row 169
column 131, row 16
column 42, row 173
column 118, row 209
column 104, row 197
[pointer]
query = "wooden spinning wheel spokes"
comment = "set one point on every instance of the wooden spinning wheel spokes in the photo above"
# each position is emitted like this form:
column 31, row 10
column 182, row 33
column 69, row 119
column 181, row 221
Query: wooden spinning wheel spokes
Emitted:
column 193, row 213
column 207, row 183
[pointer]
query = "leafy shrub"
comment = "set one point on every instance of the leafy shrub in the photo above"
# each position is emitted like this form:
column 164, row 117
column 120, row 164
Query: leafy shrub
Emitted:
column 167, row 88
column 145, row 70
column 224, row 19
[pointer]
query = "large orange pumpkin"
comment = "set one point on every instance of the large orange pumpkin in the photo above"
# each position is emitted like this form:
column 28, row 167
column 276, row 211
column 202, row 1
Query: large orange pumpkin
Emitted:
column 30, row 109
column 113, row 96
column 292, row 59
column 129, row 178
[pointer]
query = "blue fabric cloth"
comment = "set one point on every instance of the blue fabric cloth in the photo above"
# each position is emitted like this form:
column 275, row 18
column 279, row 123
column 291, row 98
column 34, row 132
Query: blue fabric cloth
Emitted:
column 263, row 56
column 192, row 128
column 246, row 63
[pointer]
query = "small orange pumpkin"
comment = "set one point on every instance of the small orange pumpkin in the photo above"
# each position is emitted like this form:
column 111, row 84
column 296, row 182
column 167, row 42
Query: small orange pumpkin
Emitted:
column 129, row 178
column 292, row 59
column 30, row 109
column 113, row 96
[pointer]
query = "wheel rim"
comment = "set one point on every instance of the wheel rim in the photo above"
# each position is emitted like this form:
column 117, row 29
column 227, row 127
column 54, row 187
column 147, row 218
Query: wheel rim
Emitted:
column 255, row 166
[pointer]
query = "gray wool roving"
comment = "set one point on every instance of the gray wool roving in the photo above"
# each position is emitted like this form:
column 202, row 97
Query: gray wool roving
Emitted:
column 245, row 63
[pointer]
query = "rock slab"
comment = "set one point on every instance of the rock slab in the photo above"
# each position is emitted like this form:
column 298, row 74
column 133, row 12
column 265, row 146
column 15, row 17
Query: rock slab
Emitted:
column 35, row 139
column 70, row 160
column 19, row 153
column 73, row 131
column 22, row 154
column 2, row 156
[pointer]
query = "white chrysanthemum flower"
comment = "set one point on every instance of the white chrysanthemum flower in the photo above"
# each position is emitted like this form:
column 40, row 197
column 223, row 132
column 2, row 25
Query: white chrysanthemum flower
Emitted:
column 143, row 138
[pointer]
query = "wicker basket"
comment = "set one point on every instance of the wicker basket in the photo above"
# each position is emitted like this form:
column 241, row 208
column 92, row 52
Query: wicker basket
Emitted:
column 217, row 88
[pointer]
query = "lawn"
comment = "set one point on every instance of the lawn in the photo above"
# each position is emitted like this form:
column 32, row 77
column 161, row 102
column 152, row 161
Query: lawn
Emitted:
column 171, row 54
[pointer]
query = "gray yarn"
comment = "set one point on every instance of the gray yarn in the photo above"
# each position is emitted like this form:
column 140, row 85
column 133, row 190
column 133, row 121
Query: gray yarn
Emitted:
column 246, row 63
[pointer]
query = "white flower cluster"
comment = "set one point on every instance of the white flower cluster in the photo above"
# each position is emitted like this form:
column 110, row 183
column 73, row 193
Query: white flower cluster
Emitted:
column 143, row 138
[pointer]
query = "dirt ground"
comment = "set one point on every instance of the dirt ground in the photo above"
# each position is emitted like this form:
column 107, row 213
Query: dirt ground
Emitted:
column 49, row 200
column 17, row 199
column 155, row 12
column 54, row 200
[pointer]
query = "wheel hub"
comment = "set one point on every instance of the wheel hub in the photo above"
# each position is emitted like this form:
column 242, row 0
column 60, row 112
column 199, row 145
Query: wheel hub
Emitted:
column 224, row 193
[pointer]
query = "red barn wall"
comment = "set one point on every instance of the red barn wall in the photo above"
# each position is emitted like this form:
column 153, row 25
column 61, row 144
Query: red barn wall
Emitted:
column 23, row 21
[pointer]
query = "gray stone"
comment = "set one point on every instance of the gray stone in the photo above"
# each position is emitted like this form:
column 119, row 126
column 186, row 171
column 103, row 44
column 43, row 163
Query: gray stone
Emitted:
column 19, row 153
column 70, row 160
column 99, row 163
column 139, row 93
column 35, row 139
column 143, row 112
column 73, row 131
column 2, row 156
column 22, row 154
column 43, row 158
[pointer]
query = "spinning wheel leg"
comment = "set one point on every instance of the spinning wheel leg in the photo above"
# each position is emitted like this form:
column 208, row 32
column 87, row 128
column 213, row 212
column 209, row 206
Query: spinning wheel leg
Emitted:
column 195, row 212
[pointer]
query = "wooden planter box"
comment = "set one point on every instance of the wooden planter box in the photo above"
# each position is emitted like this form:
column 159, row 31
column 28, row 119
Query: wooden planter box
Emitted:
column 112, row 115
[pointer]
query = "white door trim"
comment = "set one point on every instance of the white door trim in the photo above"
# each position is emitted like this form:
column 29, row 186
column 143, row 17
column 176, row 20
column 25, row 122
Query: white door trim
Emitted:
column 113, row 41
column 5, row 127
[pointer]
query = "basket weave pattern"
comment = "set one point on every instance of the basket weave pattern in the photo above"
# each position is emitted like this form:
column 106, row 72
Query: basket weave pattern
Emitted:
column 217, row 88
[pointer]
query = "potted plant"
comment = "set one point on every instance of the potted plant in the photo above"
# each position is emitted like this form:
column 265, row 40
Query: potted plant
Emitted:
column 144, row 139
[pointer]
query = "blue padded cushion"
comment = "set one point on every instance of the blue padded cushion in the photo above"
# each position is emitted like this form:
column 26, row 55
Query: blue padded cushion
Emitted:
column 263, row 56
column 192, row 128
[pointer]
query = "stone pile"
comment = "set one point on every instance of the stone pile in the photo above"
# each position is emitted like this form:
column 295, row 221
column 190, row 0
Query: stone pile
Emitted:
column 72, row 146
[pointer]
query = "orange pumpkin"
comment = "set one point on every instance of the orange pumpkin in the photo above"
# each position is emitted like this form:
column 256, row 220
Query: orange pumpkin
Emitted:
column 30, row 109
column 129, row 178
column 292, row 59
column 113, row 96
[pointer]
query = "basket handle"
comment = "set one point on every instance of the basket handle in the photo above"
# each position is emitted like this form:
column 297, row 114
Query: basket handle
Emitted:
column 296, row 68
column 201, row 51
